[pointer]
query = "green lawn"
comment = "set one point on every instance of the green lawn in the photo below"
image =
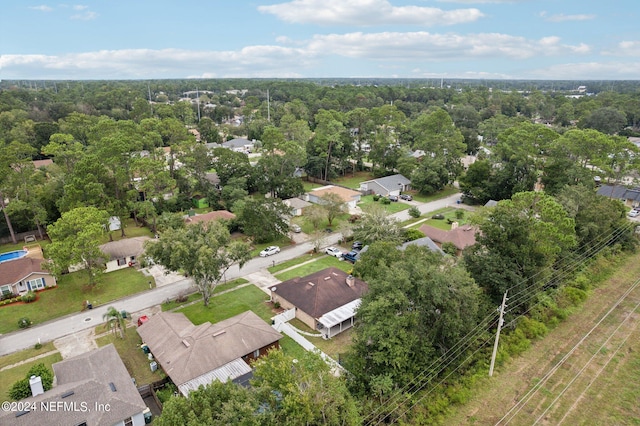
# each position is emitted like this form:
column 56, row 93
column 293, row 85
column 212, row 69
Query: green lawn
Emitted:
column 390, row 208
column 307, row 227
column 249, row 298
column 308, row 186
column 351, row 181
column 4, row 248
column 449, row 190
column 68, row 296
column 132, row 356
column 25, row 354
column 12, row 375
column 334, row 347
column 318, row 265
column 290, row 347
column 449, row 213
column 130, row 229
column 197, row 296
column 293, row 262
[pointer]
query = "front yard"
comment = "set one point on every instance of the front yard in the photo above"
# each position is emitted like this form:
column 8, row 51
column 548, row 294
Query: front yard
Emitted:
column 393, row 207
column 320, row 263
column 12, row 375
column 68, row 296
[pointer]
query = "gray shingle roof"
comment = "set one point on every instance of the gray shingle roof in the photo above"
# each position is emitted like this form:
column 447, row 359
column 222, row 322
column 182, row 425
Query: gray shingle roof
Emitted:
column 391, row 182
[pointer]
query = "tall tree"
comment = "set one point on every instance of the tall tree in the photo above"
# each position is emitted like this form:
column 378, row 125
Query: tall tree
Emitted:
column 376, row 225
column 203, row 251
column 75, row 239
column 263, row 219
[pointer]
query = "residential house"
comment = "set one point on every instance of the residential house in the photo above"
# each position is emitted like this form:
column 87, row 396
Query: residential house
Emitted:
column 422, row 242
column 19, row 276
column 123, row 253
column 193, row 355
column 326, row 300
column 297, row 205
column 630, row 197
column 349, row 196
column 240, row 145
column 211, row 216
column 389, row 185
column 91, row 389
column 460, row 236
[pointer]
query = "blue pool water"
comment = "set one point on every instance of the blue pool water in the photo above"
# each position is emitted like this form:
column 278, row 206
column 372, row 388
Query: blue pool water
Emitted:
column 12, row 255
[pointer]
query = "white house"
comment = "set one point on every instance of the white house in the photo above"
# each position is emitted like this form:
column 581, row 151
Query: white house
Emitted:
column 123, row 253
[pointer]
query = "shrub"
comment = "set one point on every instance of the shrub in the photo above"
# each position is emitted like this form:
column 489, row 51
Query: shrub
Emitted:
column 28, row 297
column 437, row 216
column 181, row 298
column 414, row 212
column 412, row 234
column 385, row 201
column 449, row 248
column 24, row 322
column 21, row 389
column 354, row 218
column 376, row 197
column 38, row 345
column 276, row 305
column 7, row 296
column 459, row 214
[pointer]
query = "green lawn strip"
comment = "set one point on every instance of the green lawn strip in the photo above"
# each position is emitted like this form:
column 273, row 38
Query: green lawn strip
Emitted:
column 133, row 357
column 293, row 262
column 25, row 354
column 249, row 298
column 172, row 304
column 308, row 186
column 12, row 375
column 392, row 207
column 290, row 347
column 426, row 198
column 68, row 296
column 318, row 265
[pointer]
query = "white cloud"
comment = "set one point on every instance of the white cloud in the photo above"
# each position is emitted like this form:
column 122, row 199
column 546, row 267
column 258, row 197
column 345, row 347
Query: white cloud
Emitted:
column 365, row 13
column 252, row 61
column 86, row 16
column 482, row 1
column 561, row 17
column 587, row 71
column 79, row 7
column 438, row 47
column 625, row 48
column 41, row 8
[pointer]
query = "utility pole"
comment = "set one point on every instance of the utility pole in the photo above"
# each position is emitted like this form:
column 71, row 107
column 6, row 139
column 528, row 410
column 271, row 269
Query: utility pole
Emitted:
column 500, row 322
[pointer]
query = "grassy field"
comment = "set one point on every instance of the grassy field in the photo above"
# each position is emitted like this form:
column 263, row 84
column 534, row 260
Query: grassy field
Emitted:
column 12, row 375
column 68, row 296
column 290, row 347
column 318, row 265
column 589, row 390
column 132, row 356
column 351, row 181
column 390, row 208
column 225, row 306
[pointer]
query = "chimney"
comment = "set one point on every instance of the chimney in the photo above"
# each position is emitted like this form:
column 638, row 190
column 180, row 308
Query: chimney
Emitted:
column 454, row 225
column 35, row 382
column 351, row 280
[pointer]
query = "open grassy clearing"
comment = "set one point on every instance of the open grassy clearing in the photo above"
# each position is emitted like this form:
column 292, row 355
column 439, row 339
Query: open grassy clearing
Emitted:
column 130, row 230
column 133, row 357
column 25, row 354
column 318, row 265
column 71, row 291
column 335, row 347
column 10, row 376
column 611, row 398
column 392, row 207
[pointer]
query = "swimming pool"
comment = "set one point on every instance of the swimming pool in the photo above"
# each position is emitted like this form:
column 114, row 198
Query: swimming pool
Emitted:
column 12, row 255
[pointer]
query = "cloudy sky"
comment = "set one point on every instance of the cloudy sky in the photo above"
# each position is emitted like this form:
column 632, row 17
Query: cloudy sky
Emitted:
column 490, row 39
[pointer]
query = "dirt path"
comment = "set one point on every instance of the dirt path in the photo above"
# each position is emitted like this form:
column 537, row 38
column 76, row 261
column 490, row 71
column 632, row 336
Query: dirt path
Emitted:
column 586, row 371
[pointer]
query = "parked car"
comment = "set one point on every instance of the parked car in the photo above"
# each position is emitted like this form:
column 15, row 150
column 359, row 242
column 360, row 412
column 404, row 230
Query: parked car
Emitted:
column 406, row 197
column 333, row 251
column 357, row 245
column 296, row 228
column 634, row 213
column 352, row 256
column 269, row 251
column 393, row 198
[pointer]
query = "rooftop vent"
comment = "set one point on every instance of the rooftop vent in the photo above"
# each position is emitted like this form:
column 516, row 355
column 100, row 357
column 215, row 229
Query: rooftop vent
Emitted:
column 311, row 284
column 67, row 394
column 327, row 278
column 112, row 386
column 185, row 343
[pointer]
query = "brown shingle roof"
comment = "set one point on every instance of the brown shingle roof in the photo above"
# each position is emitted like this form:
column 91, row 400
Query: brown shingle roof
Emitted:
column 124, row 248
column 208, row 217
column 186, row 351
column 320, row 292
column 344, row 193
column 461, row 237
column 85, row 379
column 16, row 270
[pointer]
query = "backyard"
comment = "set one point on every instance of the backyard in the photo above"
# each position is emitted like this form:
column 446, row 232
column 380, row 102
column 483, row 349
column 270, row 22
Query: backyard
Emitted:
column 12, row 375
column 69, row 295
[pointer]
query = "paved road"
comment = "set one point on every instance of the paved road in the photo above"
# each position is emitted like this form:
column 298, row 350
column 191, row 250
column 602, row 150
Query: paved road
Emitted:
column 64, row 326
column 69, row 324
